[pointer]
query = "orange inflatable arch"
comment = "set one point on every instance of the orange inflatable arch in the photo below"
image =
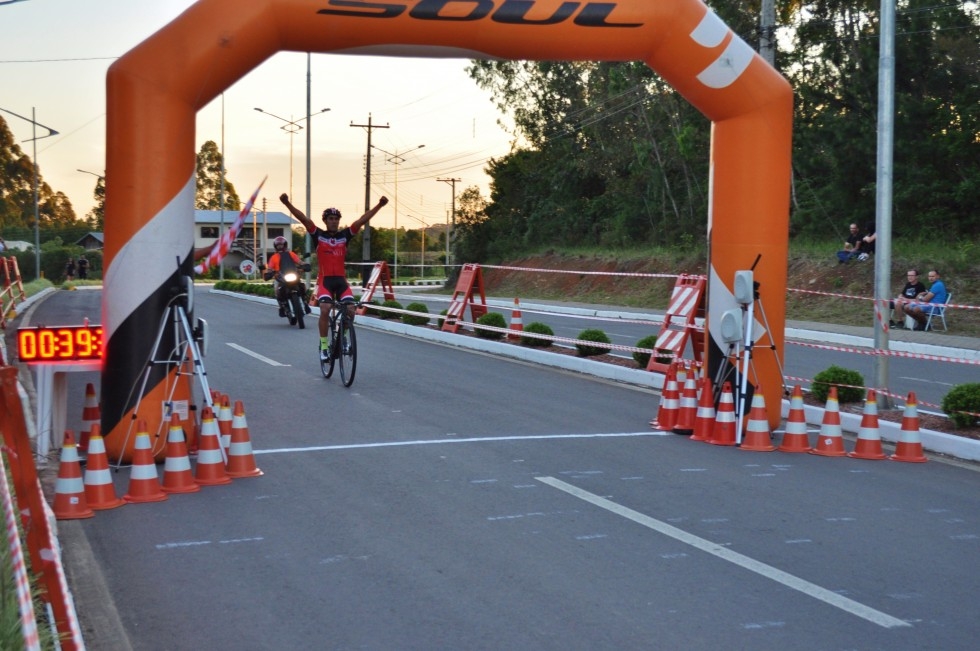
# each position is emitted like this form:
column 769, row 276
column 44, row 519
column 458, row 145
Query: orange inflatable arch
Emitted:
column 156, row 89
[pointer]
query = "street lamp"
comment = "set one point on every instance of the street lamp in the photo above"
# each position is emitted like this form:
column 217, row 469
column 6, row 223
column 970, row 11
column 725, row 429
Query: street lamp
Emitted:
column 396, row 158
column 424, row 226
column 100, row 210
column 37, row 211
column 292, row 127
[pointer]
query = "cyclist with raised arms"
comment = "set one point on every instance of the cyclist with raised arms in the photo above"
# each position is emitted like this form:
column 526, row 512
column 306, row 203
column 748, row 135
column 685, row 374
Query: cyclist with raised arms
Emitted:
column 331, row 252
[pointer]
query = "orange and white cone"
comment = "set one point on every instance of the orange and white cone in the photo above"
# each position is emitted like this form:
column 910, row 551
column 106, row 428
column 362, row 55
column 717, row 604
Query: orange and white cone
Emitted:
column 758, row 437
column 795, row 437
column 224, row 421
column 688, row 407
column 868, row 444
column 91, row 415
column 210, row 462
column 830, row 442
column 723, row 432
column 241, row 460
column 516, row 322
column 704, row 420
column 99, row 491
column 177, row 476
column 909, row 446
column 144, row 485
column 669, row 402
column 70, row 502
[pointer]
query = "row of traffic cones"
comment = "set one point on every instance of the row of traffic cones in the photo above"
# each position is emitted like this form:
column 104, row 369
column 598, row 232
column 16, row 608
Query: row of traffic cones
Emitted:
column 684, row 412
column 76, row 498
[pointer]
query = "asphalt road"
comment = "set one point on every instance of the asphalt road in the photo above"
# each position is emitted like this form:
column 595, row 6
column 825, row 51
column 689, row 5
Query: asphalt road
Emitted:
column 452, row 500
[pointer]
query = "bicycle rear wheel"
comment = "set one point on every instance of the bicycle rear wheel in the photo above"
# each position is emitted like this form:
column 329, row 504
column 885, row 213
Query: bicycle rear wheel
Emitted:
column 348, row 351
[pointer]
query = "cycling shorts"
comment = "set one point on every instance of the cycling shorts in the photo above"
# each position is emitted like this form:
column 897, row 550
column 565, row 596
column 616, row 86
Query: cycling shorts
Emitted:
column 333, row 288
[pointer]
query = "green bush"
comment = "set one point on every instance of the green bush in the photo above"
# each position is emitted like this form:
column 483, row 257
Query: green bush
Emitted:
column 850, row 384
column 643, row 359
column 537, row 328
column 392, row 305
column 411, row 319
column 494, row 319
column 442, row 318
column 595, row 335
column 962, row 398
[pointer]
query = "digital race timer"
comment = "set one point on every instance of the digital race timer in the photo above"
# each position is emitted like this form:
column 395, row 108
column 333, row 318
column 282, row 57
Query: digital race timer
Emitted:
column 59, row 343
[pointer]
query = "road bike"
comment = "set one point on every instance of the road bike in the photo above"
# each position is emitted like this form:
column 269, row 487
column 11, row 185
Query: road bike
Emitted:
column 341, row 342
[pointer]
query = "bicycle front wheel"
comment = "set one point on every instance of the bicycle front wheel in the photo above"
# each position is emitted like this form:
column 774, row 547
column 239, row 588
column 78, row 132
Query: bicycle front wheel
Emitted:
column 326, row 365
column 347, row 352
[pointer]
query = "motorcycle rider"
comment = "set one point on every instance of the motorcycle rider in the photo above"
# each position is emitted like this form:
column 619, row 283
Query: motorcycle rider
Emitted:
column 272, row 271
column 331, row 251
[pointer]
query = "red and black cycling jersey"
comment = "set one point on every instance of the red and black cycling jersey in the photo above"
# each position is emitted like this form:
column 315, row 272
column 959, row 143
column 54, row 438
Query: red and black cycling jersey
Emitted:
column 331, row 250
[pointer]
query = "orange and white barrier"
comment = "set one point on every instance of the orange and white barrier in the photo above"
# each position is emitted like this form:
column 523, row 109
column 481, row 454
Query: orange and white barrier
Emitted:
column 241, row 460
column 758, row 436
column 69, row 490
column 868, row 445
column 830, row 442
column 909, row 446
column 99, row 490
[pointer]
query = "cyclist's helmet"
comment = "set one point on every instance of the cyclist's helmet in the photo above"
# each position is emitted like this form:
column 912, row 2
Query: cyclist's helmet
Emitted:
column 280, row 243
column 330, row 212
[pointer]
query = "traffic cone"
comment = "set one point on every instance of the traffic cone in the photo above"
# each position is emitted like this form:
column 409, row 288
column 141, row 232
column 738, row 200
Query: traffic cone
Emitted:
column 99, row 491
column 516, row 323
column 795, row 437
column 868, row 444
column 688, row 407
column 758, row 437
column 177, row 477
column 909, row 446
column 241, row 461
column 224, row 421
column 70, row 502
column 144, row 485
column 210, row 462
column 667, row 413
column 704, row 420
column 90, row 416
column 723, row 431
column 830, row 442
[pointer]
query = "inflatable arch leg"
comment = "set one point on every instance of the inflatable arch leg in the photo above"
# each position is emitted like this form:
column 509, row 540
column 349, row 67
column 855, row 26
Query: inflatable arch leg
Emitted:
column 155, row 90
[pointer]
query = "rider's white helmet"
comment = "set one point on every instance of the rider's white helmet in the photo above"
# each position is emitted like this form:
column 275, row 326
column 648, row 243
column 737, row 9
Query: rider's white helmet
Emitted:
column 280, row 243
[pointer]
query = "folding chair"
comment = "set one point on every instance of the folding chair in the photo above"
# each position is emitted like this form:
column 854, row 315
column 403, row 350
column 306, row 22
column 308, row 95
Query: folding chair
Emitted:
column 939, row 311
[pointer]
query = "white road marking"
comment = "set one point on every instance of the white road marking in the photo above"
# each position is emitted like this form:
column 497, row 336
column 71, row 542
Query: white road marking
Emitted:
column 481, row 439
column 790, row 581
column 250, row 353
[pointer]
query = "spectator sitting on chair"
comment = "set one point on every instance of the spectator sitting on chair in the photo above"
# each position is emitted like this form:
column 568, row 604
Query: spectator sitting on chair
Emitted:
column 866, row 247
column 851, row 245
column 926, row 303
column 913, row 287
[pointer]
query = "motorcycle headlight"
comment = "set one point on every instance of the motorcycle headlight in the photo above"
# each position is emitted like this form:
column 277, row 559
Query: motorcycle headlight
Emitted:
column 290, row 277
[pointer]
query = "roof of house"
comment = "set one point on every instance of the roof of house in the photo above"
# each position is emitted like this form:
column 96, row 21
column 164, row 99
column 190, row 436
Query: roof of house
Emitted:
column 93, row 235
column 214, row 217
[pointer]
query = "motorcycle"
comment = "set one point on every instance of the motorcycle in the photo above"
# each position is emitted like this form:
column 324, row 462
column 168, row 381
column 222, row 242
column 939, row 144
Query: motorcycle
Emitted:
column 292, row 291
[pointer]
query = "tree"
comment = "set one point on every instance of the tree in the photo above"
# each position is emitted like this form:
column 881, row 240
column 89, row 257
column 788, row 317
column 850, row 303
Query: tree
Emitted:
column 96, row 217
column 209, row 166
column 17, row 189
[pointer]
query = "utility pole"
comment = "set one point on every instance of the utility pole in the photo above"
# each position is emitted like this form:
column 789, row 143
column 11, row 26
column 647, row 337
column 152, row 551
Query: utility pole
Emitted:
column 366, row 240
column 453, row 183
column 767, row 44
